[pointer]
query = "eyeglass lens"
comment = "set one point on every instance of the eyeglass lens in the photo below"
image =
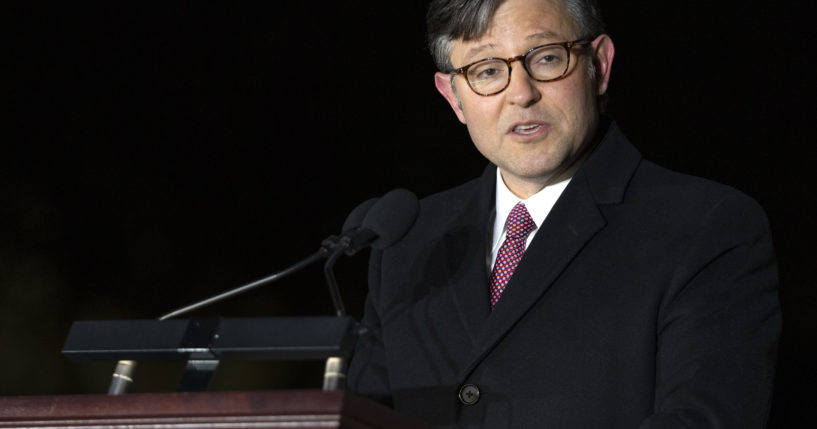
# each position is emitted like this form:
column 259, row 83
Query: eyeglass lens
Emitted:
column 544, row 63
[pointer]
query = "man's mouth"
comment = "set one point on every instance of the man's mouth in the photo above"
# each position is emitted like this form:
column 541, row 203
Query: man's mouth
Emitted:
column 526, row 129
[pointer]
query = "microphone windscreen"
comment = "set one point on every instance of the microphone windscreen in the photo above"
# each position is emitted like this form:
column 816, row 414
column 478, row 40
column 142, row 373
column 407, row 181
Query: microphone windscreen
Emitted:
column 391, row 217
column 356, row 216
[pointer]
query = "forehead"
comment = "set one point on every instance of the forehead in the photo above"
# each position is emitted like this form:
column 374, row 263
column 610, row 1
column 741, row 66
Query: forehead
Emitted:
column 517, row 26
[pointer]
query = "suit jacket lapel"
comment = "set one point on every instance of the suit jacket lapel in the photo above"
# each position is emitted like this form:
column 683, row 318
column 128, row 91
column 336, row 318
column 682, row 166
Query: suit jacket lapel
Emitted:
column 572, row 222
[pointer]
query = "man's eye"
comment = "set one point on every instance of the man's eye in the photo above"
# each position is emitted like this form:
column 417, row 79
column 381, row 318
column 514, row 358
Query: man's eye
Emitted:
column 487, row 73
column 546, row 57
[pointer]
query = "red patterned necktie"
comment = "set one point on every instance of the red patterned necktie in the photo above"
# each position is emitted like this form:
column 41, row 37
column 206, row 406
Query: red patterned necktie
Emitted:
column 520, row 224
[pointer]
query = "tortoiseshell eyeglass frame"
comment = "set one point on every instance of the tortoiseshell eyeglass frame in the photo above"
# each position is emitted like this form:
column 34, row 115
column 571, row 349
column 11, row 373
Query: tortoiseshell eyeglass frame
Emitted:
column 521, row 58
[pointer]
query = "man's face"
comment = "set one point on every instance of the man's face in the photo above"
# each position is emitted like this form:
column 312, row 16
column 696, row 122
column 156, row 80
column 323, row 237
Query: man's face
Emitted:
column 531, row 129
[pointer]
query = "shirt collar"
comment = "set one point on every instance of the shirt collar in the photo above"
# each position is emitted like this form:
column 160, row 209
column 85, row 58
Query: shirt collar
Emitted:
column 538, row 204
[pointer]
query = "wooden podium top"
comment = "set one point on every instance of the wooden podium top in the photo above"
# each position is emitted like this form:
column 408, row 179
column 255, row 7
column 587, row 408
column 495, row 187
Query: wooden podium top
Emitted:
column 263, row 409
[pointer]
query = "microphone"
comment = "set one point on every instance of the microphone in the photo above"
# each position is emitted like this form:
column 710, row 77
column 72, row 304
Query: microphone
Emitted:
column 383, row 225
column 356, row 216
column 358, row 232
column 386, row 222
column 123, row 373
column 392, row 217
column 352, row 223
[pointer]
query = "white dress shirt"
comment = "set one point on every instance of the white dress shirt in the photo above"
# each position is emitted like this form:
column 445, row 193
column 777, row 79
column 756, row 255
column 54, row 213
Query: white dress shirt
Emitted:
column 538, row 205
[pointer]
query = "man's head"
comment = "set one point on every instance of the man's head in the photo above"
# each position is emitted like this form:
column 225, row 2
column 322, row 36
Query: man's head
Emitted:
column 534, row 131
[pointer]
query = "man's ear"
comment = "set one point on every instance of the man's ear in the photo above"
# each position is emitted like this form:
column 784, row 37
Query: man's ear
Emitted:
column 444, row 85
column 603, row 52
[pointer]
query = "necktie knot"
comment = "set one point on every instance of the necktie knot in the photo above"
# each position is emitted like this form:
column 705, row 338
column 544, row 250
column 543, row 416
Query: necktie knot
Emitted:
column 520, row 224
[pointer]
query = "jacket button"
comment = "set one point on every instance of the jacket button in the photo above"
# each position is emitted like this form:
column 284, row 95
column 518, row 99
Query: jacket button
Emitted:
column 469, row 394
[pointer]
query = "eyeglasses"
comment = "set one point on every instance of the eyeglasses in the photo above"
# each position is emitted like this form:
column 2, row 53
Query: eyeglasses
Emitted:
column 545, row 63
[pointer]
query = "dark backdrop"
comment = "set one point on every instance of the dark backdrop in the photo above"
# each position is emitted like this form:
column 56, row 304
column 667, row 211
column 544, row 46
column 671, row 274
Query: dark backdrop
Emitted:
column 155, row 155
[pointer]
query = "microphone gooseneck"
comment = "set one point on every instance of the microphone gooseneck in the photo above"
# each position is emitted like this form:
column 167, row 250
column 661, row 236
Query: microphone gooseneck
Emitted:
column 338, row 244
column 328, row 246
column 376, row 222
column 321, row 253
column 386, row 222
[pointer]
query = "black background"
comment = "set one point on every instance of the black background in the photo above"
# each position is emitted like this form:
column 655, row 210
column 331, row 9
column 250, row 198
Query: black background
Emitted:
column 155, row 155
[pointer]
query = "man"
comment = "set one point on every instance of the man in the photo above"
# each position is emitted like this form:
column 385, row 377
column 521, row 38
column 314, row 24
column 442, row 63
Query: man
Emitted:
column 574, row 284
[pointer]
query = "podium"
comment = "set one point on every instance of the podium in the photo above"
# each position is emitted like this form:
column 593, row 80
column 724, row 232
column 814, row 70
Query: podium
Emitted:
column 206, row 340
column 263, row 409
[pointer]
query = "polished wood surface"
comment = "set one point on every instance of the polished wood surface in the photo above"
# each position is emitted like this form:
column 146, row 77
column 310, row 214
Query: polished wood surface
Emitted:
column 264, row 409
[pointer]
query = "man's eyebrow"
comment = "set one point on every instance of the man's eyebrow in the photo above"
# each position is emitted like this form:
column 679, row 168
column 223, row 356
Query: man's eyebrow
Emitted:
column 545, row 35
column 473, row 52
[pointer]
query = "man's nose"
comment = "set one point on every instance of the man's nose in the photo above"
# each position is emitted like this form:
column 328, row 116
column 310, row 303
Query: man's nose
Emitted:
column 522, row 89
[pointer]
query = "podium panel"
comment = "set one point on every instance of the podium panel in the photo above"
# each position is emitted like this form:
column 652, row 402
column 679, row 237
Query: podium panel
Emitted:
column 265, row 409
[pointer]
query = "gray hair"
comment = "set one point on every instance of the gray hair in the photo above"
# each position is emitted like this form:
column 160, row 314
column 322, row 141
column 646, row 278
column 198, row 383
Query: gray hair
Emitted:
column 448, row 20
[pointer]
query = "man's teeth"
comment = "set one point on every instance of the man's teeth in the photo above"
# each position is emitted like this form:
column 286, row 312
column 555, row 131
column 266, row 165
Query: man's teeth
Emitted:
column 526, row 129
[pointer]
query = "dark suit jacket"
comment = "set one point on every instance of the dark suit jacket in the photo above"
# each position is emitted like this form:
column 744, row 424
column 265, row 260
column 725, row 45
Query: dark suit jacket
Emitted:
column 647, row 299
